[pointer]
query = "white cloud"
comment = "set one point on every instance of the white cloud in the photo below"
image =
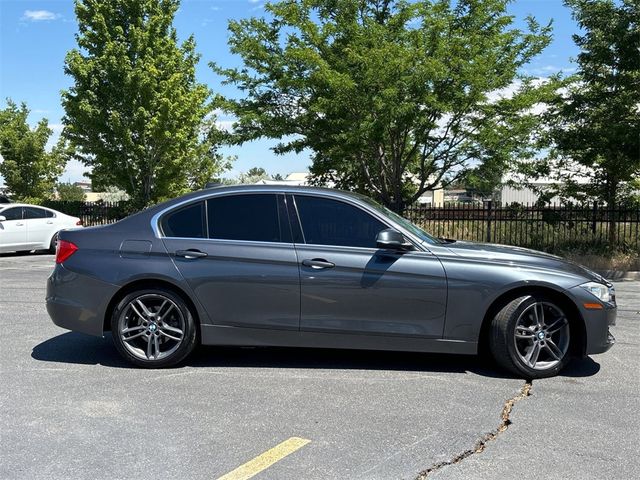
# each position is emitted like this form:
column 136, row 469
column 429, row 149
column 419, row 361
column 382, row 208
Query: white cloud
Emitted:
column 74, row 172
column 545, row 70
column 56, row 130
column 39, row 15
column 226, row 125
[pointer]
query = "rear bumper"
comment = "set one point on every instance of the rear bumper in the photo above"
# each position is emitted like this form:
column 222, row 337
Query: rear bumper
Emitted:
column 78, row 302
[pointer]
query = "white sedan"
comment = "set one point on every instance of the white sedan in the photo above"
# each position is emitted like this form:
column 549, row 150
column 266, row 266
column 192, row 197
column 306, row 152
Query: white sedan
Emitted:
column 31, row 227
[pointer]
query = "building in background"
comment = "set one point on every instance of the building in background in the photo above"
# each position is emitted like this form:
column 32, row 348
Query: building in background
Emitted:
column 430, row 197
column 516, row 189
column 110, row 195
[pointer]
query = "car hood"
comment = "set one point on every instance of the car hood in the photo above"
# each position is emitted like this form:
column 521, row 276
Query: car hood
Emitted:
column 518, row 256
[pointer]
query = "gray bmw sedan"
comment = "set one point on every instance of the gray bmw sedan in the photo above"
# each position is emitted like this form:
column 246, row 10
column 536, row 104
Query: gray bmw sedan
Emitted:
column 312, row 267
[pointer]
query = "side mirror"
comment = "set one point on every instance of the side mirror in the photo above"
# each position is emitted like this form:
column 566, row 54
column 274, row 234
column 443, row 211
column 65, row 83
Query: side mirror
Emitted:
column 2, row 218
column 391, row 239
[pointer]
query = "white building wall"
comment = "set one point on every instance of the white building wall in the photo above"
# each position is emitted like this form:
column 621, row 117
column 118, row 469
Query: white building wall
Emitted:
column 521, row 195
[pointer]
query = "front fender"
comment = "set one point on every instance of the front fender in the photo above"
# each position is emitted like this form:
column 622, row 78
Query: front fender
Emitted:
column 474, row 286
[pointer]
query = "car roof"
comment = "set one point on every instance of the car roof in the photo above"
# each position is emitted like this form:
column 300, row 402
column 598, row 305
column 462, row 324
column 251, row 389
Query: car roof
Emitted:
column 277, row 188
column 221, row 189
column 160, row 208
column 6, row 205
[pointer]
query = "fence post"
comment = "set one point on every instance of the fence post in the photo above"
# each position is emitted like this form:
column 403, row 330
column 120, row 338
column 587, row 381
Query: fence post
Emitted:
column 594, row 218
column 489, row 208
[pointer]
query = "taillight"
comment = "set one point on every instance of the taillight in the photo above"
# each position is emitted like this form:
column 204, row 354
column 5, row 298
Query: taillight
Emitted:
column 64, row 250
column 79, row 222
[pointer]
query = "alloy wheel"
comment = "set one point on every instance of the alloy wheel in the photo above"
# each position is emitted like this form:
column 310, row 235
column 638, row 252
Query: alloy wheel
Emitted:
column 542, row 336
column 151, row 327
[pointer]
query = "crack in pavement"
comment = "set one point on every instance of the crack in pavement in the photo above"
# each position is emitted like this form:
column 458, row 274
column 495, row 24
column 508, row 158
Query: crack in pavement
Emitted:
column 481, row 444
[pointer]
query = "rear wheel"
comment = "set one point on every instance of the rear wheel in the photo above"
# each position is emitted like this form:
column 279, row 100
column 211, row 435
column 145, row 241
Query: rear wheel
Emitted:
column 53, row 244
column 530, row 336
column 153, row 328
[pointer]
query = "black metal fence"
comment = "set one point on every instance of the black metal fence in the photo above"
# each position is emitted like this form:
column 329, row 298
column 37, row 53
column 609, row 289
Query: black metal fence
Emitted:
column 550, row 228
column 92, row 213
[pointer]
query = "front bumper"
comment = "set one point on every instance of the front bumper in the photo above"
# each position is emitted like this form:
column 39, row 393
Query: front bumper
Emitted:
column 598, row 338
column 78, row 302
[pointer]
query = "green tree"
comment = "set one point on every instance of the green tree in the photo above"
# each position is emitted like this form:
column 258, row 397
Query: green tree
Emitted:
column 29, row 170
column 68, row 192
column 253, row 175
column 595, row 121
column 135, row 111
column 392, row 97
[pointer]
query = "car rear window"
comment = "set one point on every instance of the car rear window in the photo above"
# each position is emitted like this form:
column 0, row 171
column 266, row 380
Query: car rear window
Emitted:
column 33, row 212
column 252, row 217
column 185, row 222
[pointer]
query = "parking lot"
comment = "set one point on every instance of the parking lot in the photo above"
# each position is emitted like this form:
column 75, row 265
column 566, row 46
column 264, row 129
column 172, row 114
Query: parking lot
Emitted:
column 71, row 409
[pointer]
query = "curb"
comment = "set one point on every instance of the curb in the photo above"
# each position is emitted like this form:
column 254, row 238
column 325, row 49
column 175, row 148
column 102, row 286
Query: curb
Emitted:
column 619, row 275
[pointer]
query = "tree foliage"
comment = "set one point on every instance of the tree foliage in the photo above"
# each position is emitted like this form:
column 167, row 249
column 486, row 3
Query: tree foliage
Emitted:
column 29, row 170
column 68, row 192
column 594, row 123
column 392, row 97
column 135, row 111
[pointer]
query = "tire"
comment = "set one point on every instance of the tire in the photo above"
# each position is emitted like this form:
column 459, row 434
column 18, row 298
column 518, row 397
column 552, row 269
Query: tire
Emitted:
column 530, row 336
column 53, row 244
column 154, row 328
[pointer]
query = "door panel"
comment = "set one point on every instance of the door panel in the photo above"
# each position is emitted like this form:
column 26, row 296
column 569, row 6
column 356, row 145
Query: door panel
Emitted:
column 245, row 284
column 348, row 285
column 39, row 231
column 372, row 291
column 40, row 227
column 245, row 273
column 13, row 231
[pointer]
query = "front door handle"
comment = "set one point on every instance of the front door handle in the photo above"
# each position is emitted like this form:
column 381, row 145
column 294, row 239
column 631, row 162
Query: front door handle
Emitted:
column 318, row 263
column 190, row 254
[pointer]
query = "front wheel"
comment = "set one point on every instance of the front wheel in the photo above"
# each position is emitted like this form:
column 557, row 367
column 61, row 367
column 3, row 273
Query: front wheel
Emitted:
column 530, row 336
column 153, row 328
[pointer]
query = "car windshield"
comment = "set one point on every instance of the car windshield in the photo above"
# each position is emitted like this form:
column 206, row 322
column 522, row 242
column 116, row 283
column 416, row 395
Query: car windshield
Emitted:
column 413, row 228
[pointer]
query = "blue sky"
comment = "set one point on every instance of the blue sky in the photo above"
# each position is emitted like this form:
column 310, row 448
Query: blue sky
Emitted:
column 36, row 34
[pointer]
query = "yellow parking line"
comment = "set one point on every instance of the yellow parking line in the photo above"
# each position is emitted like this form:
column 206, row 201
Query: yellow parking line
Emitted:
column 266, row 459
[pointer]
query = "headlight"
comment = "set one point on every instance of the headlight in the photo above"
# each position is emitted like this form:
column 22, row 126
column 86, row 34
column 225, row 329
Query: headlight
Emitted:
column 600, row 291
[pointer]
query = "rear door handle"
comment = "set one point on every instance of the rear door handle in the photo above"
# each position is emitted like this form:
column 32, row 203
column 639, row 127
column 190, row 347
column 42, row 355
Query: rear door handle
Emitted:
column 318, row 263
column 190, row 254
column 19, row 224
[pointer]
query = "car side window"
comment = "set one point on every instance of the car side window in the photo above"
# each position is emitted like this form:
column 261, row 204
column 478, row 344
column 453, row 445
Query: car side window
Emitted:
column 331, row 222
column 33, row 212
column 251, row 217
column 14, row 213
column 185, row 222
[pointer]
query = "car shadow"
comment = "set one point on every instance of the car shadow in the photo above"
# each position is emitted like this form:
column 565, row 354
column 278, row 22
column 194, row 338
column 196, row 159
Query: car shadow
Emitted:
column 76, row 348
column 25, row 253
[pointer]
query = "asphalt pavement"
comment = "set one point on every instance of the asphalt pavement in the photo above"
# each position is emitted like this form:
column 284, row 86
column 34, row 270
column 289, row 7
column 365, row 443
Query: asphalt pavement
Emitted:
column 70, row 408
